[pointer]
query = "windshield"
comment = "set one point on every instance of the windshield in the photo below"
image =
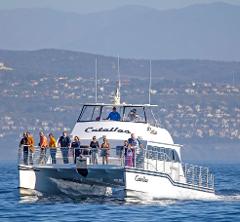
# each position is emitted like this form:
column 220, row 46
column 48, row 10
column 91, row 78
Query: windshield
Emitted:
column 138, row 114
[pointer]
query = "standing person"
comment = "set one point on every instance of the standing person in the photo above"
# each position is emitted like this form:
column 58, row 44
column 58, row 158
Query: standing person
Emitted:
column 43, row 143
column 94, row 148
column 129, row 157
column 76, row 146
column 133, row 141
column 105, row 149
column 24, row 145
column 53, row 147
column 114, row 115
column 124, row 151
column 135, row 144
column 64, row 142
column 31, row 148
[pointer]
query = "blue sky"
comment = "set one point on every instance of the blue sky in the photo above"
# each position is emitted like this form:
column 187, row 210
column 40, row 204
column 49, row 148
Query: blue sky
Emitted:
column 86, row 6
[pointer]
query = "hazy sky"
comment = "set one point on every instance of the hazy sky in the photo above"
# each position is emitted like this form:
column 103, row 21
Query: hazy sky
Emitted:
column 85, row 6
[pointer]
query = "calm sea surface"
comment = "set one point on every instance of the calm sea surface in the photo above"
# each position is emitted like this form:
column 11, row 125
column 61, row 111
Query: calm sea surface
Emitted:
column 14, row 207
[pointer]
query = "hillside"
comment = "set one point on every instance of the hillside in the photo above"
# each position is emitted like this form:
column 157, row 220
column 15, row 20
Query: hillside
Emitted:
column 72, row 63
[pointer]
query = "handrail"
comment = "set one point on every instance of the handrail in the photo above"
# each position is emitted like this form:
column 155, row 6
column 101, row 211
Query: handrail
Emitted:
column 198, row 176
column 194, row 175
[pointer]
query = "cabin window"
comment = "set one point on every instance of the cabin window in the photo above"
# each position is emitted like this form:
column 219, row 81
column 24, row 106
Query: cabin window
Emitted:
column 137, row 114
column 134, row 114
column 162, row 153
column 152, row 117
column 90, row 113
column 106, row 110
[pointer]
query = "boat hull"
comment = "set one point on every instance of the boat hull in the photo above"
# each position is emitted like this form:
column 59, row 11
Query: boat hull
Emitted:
column 111, row 181
column 161, row 186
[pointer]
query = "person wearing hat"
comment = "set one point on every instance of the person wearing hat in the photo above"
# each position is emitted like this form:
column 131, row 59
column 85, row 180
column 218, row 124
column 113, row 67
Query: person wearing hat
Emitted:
column 132, row 116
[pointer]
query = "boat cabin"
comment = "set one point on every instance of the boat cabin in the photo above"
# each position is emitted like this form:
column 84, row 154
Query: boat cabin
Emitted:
column 96, row 120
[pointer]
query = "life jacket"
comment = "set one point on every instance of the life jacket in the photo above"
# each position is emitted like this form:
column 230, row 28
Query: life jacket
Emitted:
column 52, row 142
column 30, row 141
column 43, row 142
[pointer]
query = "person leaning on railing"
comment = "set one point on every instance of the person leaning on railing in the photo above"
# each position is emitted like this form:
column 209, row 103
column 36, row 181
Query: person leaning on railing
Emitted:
column 76, row 146
column 124, row 153
column 135, row 145
column 24, row 145
column 53, row 147
column 94, row 148
column 105, row 151
column 64, row 142
column 31, row 148
column 43, row 143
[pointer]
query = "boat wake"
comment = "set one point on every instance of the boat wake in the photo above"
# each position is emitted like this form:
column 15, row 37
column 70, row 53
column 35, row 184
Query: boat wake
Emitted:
column 72, row 191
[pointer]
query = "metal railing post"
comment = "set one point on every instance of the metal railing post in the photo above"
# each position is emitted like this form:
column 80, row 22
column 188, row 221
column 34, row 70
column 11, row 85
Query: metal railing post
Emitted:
column 156, row 161
column 135, row 157
column 213, row 182
column 185, row 170
column 179, row 171
column 200, row 177
column 164, row 165
column 193, row 175
column 207, row 178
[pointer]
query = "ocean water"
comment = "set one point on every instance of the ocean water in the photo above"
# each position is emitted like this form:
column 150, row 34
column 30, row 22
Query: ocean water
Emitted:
column 16, row 207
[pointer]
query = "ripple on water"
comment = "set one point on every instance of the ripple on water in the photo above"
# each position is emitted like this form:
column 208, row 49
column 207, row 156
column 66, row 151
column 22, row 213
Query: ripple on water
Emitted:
column 39, row 207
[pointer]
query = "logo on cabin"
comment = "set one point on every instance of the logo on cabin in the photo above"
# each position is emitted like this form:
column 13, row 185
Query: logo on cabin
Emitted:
column 101, row 129
column 141, row 179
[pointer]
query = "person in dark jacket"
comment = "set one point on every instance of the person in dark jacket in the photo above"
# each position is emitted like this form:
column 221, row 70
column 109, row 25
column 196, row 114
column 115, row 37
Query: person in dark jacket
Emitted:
column 76, row 147
column 64, row 142
column 24, row 145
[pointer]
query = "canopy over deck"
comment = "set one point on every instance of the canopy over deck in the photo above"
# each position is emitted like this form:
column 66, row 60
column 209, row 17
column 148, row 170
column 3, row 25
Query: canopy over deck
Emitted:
column 119, row 105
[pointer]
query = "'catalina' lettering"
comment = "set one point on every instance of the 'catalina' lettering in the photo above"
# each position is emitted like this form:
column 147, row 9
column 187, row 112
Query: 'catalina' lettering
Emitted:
column 91, row 129
column 141, row 179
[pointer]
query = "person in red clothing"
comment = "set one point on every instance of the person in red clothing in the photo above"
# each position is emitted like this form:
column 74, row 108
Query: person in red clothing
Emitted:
column 43, row 145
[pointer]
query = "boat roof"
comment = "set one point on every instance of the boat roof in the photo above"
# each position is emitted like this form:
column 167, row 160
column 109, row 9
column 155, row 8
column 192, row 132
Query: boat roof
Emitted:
column 119, row 105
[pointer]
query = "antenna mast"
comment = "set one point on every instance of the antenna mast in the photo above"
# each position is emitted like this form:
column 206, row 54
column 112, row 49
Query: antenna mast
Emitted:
column 117, row 96
column 96, row 80
column 119, row 79
column 150, row 81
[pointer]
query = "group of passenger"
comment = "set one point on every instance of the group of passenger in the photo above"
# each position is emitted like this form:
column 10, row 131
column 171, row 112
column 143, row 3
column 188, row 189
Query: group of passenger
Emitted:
column 27, row 144
column 128, row 150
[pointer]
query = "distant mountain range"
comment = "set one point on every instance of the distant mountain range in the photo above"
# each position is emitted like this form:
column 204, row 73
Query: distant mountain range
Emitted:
column 204, row 31
column 55, row 62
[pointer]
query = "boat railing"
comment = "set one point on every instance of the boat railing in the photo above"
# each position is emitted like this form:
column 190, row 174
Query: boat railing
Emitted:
column 141, row 158
column 198, row 175
column 194, row 175
column 68, row 155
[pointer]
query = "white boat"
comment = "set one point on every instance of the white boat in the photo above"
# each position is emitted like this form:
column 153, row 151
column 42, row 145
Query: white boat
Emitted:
column 156, row 170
